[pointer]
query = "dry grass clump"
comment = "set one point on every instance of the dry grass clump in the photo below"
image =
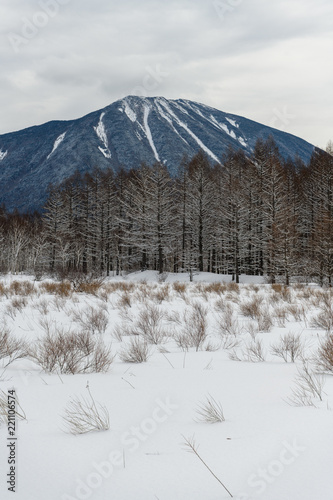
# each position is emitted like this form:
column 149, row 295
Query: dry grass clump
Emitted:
column 227, row 322
column 103, row 294
column 300, row 286
column 253, row 352
column 325, row 355
column 198, row 287
column 308, row 386
column 316, row 297
column 287, row 294
column 47, row 324
column 324, row 319
column 63, row 289
column 149, row 324
column 143, row 292
column 19, row 303
column 304, row 292
column 125, row 300
column 210, row 411
column 229, row 341
column 289, row 348
column 119, row 286
column 83, row 282
column 10, row 311
column 89, row 288
column 232, row 287
column 257, row 310
column 11, row 348
column 297, row 311
column 23, row 288
column 227, row 325
column 59, row 303
column 194, row 331
column 252, row 308
column 19, row 412
column 277, row 288
column 42, row 306
column 85, row 415
column 106, row 289
column 4, row 292
column 137, row 351
column 179, row 288
column 93, row 320
column 281, row 315
column 173, row 317
column 217, row 287
column 68, row 352
column 281, row 292
column 220, row 304
column 161, row 294
column 251, row 327
column 119, row 331
column 211, row 346
column 253, row 287
column 265, row 321
column 125, row 329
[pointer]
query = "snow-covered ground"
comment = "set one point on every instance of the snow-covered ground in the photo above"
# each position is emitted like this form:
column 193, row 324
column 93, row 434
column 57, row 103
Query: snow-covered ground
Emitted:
column 267, row 448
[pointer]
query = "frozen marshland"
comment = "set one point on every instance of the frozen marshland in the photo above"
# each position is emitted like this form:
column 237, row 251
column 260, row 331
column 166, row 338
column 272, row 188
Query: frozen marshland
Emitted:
column 148, row 389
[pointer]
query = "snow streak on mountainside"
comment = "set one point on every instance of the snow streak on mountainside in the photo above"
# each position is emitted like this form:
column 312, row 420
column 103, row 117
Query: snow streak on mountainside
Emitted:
column 129, row 112
column 185, row 127
column 3, row 154
column 123, row 135
column 148, row 132
column 101, row 134
column 56, row 144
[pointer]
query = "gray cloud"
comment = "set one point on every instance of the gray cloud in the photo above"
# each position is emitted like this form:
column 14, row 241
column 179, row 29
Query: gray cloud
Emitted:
column 266, row 61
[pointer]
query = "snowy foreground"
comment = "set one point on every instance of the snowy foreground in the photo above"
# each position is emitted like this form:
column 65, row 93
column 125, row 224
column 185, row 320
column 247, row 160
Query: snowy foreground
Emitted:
column 272, row 445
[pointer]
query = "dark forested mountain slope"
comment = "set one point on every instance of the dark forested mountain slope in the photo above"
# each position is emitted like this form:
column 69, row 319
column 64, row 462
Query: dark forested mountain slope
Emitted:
column 124, row 134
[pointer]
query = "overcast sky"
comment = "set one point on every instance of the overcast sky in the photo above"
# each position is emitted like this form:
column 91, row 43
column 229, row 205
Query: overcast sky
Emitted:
column 268, row 61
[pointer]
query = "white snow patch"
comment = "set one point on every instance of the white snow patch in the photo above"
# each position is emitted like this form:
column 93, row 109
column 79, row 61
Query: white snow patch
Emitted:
column 100, row 131
column 229, row 132
column 223, row 127
column 261, row 432
column 3, row 154
column 242, row 142
column 129, row 112
column 101, row 134
column 180, row 107
column 148, row 131
column 57, row 143
column 232, row 122
column 214, row 121
column 196, row 110
column 210, row 119
column 196, row 138
column 105, row 152
column 169, row 120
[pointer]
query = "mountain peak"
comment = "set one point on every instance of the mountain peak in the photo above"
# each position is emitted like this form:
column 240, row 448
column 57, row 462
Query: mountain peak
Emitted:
column 124, row 134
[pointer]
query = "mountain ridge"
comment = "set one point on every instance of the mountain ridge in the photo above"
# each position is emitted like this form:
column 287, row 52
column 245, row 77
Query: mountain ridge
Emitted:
column 124, row 134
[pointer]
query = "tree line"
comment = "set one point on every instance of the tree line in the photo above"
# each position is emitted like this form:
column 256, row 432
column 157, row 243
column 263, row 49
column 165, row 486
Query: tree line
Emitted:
column 255, row 215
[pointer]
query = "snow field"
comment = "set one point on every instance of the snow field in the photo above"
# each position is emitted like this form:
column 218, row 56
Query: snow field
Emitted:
column 265, row 449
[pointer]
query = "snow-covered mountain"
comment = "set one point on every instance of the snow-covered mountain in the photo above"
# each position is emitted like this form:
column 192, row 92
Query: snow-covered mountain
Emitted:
column 124, row 134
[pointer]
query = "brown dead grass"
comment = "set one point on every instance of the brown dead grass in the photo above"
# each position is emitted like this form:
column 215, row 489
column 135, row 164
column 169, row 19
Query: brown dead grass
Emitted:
column 63, row 289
